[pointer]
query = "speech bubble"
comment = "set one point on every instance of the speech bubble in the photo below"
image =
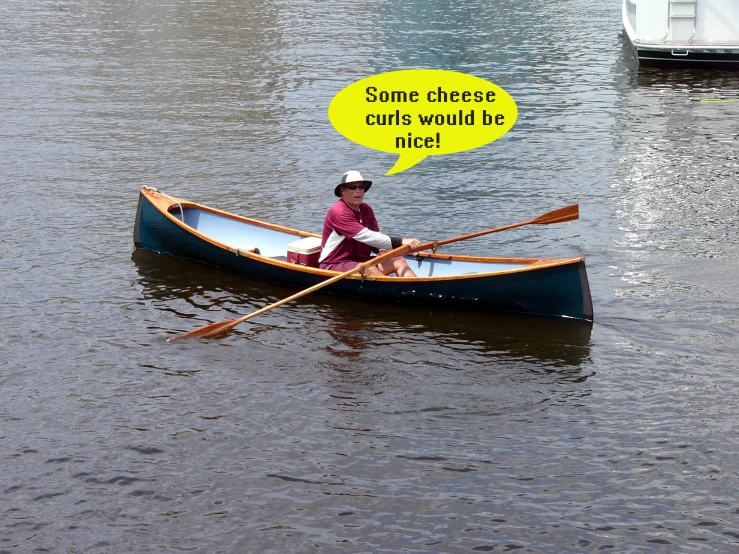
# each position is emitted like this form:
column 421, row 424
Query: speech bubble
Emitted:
column 417, row 113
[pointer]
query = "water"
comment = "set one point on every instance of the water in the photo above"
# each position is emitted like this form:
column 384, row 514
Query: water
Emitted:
column 337, row 425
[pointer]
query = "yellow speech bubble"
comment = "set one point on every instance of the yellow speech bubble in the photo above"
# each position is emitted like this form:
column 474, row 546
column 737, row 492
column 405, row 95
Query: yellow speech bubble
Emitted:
column 422, row 112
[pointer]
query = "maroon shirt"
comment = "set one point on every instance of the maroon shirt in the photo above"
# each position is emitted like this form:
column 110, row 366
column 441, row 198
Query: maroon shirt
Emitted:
column 341, row 226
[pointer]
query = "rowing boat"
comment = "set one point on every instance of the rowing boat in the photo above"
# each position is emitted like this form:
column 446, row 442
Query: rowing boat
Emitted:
column 543, row 286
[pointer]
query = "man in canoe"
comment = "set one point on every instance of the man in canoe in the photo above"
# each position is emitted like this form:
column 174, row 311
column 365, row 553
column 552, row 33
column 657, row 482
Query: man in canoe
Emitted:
column 351, row 232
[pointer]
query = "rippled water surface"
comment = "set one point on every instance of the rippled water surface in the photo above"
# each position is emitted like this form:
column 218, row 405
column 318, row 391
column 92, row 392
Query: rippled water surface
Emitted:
column 336, row 425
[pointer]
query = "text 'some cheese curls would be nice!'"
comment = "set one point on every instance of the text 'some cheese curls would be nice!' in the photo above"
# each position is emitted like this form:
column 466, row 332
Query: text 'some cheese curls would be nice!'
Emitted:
column 417, row 113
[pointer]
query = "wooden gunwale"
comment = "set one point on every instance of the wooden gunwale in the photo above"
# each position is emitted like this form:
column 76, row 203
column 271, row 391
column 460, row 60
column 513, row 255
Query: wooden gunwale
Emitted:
column 164, row 203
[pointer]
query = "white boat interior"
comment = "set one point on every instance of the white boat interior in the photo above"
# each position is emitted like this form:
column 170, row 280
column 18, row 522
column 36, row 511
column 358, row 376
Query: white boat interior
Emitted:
column 273, row 243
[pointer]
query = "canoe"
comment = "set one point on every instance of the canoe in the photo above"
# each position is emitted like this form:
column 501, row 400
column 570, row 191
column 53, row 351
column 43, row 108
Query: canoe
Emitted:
column 539, row 286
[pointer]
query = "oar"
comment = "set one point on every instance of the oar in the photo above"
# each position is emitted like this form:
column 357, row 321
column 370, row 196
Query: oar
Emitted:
column 215, row 329
column 561, row 215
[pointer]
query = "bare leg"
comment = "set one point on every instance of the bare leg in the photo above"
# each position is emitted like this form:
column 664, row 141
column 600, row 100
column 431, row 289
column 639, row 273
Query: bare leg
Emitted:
column 402, row 268
column 396, row 265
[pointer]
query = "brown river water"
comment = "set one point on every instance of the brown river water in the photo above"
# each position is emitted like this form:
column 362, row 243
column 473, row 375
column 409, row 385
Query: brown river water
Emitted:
column 333, row 424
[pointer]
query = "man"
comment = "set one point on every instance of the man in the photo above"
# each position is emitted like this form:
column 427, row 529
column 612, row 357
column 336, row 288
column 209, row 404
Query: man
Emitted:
column 351, row 232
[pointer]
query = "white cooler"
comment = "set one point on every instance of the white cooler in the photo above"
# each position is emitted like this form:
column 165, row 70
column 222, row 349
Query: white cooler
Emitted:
column 304, row 251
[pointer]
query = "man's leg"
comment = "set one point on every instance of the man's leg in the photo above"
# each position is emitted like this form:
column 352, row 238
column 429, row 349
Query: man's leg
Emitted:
column 396, row 265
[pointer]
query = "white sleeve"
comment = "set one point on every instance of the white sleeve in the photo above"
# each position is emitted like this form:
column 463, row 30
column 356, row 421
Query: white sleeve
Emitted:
column 373, row 239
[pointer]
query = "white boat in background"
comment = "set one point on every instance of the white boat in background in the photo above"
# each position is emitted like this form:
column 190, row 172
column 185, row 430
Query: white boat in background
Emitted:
column 689, row 33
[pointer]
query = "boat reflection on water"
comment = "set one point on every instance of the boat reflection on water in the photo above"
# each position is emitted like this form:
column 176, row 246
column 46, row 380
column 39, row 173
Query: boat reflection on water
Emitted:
column 540, row 340
column 348, row 328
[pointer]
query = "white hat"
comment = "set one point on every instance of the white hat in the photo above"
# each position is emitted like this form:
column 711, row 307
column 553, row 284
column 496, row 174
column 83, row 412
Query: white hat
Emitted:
column 352, row 176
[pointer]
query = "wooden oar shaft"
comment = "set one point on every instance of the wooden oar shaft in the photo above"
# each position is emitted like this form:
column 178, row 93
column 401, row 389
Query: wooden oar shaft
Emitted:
column 556, row 216
column 223, row 326
column 481, row 233
column 360, row 268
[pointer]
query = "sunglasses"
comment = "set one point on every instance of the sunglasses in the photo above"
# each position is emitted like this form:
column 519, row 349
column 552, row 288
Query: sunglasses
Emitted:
column 355, row 187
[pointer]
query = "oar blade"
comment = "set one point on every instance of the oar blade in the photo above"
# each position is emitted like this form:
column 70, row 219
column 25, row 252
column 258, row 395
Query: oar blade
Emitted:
column 209, row 331
column 570, row 213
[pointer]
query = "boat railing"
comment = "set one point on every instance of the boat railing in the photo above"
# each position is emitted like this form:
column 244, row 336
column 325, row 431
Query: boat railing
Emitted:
column 677, row 10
